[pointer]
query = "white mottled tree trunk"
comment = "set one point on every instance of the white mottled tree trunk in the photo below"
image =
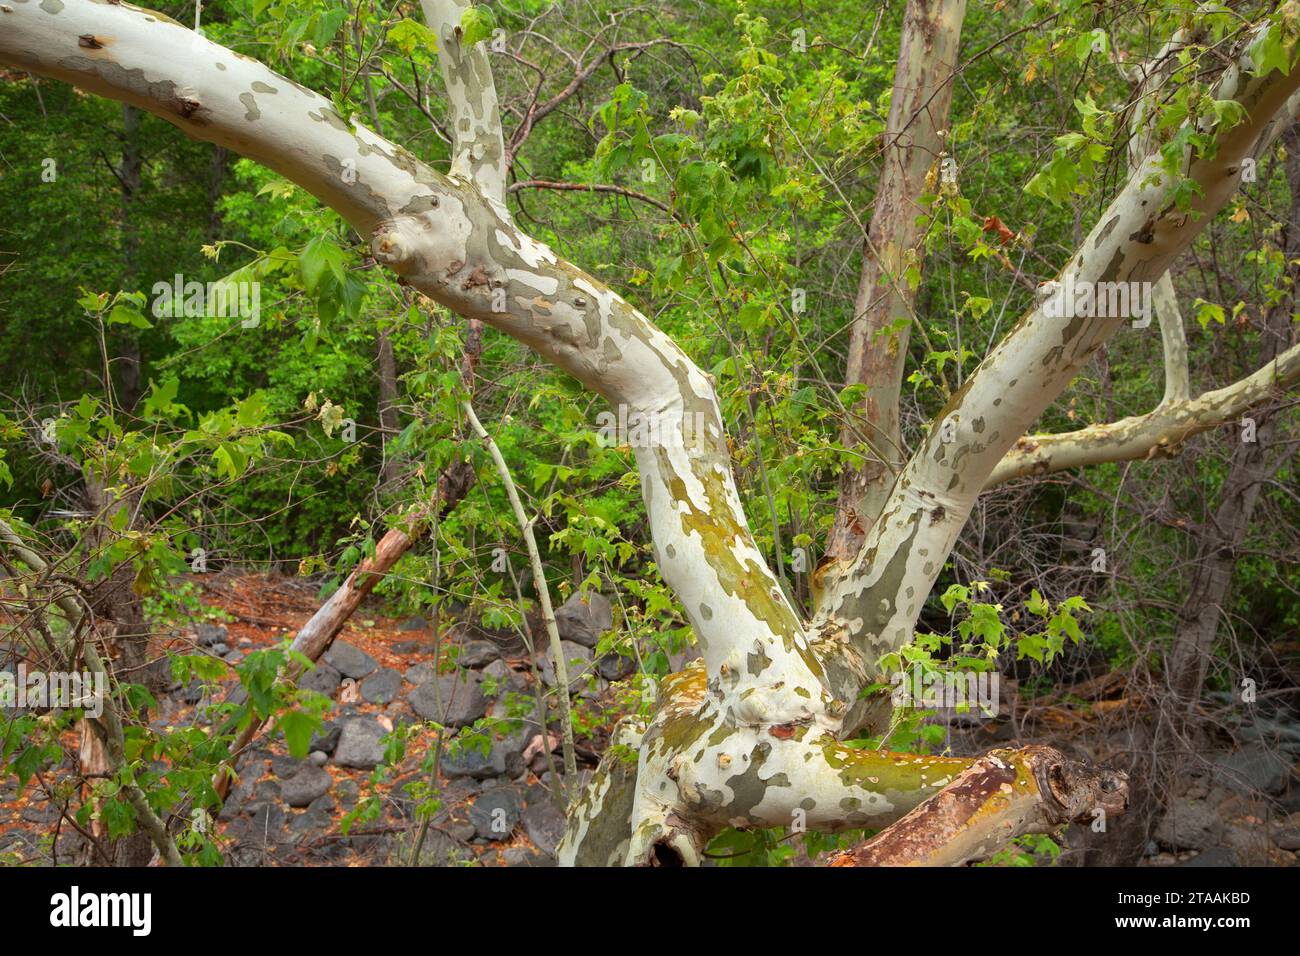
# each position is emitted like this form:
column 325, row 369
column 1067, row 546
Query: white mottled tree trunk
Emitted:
column 752, row 735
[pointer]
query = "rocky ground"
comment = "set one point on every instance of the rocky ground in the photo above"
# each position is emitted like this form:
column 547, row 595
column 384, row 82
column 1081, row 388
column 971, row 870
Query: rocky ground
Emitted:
column 497, row 807
column 1240, row 807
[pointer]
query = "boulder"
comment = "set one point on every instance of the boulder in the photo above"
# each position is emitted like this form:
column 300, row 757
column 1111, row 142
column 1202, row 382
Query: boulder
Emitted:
column 360, row 744
column 382, row 686
column 1189, row 825
column 505, row 677
column 614, row 667
column 350, row 660
column 544, row 825
column 308, row 784
column 323, row 679
column 1252, row 769
column 582, row 619
column 495, row 814
column 420, row 673
column 577, row 660
column 478, row 653
column 460, row 695
column 325, row 738
column 206, row 635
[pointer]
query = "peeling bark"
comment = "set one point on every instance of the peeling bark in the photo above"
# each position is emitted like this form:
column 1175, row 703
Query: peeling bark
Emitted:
column 1002, row 795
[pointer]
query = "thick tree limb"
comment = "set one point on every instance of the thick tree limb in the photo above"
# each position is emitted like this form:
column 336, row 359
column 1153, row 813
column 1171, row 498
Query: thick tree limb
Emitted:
column 1157, row 434
column 886, row 303
column 1002, row 795
column 1148, row 79
column 478, row 154
column 700, row 772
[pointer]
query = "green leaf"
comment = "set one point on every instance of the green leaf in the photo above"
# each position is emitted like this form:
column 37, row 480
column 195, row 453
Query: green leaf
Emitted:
column 298, row 726
column 411, row 35
column 327, row 26
column 476, row 24
column 318, row 258
column 125, row 314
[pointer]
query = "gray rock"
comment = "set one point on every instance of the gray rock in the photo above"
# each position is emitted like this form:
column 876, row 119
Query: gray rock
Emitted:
column 1273, row 734
column 472, row 762
column 460, row 694
column 1215, row 856
column 521, row 856
column 504, row 758
column 506, row 677
column 348, row 792
column 495, row 814
column 615, row 666
column 283, row 765
column 414, row 624
column 206, row 634
column 461, row 830
column 307, row 826
column 478, row 653
column 349, row 660
column 324, row 803
column 408, row 647
column 306, row 785
column 544, row 825
column 318, row 758
column 220, row 649
column 1287, row 838
column 420, row 673
column 192, row 692
column 1250, row 845
column 1189, row 825
column 582, row 620
column 360, row 745
column 1252, row 769
column 577, row 660
column 233, row 658
column 382, row 686
column 326, row 738
column 267, row 825
column 268, row 791
column 322, row 679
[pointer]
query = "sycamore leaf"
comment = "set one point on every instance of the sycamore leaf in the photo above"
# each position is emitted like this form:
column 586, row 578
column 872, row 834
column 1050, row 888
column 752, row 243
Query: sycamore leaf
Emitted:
column 476, row 24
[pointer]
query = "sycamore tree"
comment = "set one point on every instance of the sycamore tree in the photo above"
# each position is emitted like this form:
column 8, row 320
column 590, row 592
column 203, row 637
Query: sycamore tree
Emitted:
column 758, row 732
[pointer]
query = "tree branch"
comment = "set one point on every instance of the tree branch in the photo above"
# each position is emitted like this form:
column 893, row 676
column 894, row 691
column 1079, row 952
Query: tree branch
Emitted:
column 478, row 155
column 543, row 596
column 589, row 187
column 885, row 305
column 1002, row 795
column 1157, row 434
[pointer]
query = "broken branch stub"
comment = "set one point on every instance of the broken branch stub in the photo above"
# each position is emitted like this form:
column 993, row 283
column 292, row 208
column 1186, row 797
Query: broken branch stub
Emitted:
column 1002, row 795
